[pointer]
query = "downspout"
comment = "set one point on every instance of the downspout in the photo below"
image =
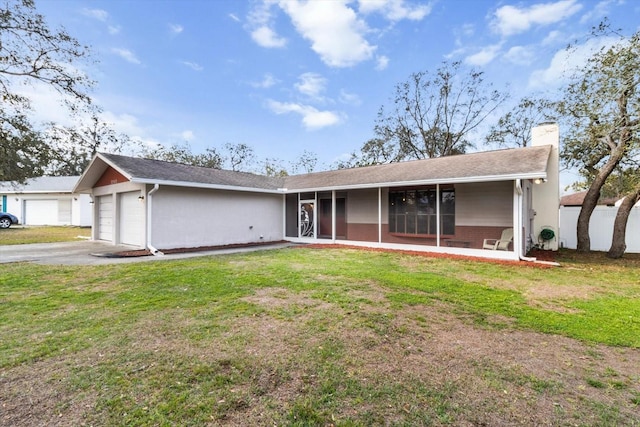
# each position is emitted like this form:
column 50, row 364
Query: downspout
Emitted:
column 151, row 248
column 519, row 229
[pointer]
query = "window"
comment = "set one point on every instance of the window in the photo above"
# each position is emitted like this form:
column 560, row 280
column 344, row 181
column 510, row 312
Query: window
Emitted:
column 414, row 211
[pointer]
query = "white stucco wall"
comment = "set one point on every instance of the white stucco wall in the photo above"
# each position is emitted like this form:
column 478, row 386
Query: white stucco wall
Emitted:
column 81, row 210
column 484, row 204
column 184, row 217
column 546, row 196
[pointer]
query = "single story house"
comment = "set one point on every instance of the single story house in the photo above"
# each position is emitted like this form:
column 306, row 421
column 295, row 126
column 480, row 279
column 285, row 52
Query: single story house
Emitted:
column 448, row 205
column 46, row 200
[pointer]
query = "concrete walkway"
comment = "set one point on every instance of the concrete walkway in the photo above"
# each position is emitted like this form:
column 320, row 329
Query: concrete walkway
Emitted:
column 93, row 253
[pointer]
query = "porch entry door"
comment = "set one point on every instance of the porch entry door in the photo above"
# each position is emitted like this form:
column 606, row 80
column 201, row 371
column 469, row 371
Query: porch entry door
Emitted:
column 307, row 222
column 325, row 219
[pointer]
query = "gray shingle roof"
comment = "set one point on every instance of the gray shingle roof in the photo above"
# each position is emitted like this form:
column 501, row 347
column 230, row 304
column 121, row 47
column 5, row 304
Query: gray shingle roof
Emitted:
column 43, row 184
column 488, row 165
column 146, row 170
column 496, row 165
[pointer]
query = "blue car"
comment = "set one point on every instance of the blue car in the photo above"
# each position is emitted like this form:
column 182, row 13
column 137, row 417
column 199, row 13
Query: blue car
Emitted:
column 6, row 219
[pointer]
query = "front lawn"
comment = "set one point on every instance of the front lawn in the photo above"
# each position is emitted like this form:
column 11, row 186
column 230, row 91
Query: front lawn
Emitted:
column 319, row 337
column 42, row 234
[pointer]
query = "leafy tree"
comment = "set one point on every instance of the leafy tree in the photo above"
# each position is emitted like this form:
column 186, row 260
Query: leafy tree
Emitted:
column 30, row 52
column 23, row 152
column 306, row 163
column 72, row 148
column 240, row 157
column 182, row 154
column 274, row 167
column 374, row 152
column 618, row 240
column 432, row 115
column 602, row 109
column 514, row 127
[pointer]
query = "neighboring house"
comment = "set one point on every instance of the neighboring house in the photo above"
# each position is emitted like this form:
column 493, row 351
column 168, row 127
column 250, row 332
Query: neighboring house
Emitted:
column 600, row 223
column 448, row 205
column 47, row 200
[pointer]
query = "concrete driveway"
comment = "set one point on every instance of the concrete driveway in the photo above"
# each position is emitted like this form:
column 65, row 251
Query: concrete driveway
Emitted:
column 95, row 253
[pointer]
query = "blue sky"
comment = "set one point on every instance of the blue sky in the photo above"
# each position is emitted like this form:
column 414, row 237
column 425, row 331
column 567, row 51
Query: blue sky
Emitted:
column 285, row 76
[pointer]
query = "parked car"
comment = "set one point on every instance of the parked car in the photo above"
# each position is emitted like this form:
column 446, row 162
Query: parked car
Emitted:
column 6, row 219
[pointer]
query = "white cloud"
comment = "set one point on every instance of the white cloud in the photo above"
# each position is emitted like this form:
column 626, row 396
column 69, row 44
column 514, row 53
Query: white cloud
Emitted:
column 486, row 55
column 113, row 29
column 127, row 55
column 267, row 81
column 99, row 14
column 553, row 37
column 266, row 37
column 259, row 24
column 176, row 28
column 349, row 98
column 395, row 10
column 509, row 20
column 600, row 11
column 564, row 63
column 312, row 85
column 193, row 65
column 382, row 62
column 520, row 55
column 334, row 30
column 312, row 118
column 187, row 135
column 234, row 17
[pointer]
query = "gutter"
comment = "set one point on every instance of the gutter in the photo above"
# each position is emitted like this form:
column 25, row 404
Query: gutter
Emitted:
column 154, row 251
column 519, row 191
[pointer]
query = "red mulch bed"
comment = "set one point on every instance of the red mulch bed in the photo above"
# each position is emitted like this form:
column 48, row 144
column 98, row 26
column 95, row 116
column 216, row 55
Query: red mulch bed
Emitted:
column 146, row 252
column 540, row 255
column 546, row 256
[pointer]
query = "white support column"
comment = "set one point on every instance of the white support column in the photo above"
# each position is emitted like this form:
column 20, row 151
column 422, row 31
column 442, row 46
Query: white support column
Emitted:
column 284, row 217
column 517, row 217
column 298, row 216
column 379, row 214
column 315, row 215
column 333, row 215
column 437, row 215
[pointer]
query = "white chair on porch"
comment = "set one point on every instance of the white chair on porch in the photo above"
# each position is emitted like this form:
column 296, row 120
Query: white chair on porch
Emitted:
column 502, row 243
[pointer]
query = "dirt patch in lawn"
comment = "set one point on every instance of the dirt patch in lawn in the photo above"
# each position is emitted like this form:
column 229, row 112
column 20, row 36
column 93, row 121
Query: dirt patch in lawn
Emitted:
column 368, row 362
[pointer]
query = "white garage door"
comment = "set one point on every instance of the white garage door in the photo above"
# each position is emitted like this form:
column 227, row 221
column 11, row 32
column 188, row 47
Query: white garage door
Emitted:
column 131, row 219
column 41, row 212
column 105, row 218
column 64, row 212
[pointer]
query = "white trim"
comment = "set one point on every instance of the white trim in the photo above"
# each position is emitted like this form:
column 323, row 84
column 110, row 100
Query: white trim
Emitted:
column 149, row 203
column 210, row 186
column 379, row 214
column 492, row 178
column 333, row 216
column 438, row 217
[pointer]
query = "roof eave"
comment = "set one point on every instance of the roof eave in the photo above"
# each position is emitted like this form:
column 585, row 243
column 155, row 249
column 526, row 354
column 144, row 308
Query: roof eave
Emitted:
column 88, row 178
column 205, row 185
column 462, row 180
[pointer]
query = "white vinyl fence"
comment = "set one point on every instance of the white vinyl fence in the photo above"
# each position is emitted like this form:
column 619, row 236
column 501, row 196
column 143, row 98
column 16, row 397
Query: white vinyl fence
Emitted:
column 600, row 228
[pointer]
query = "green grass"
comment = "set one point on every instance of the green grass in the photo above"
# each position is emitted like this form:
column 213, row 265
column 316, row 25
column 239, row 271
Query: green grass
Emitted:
column 305, row 337
column 44, row 234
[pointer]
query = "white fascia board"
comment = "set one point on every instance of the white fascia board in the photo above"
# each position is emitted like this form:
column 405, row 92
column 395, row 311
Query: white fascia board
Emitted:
column 37, row 192
column 465, row 180
column 113, row 165
column 206, row 186
column 89, row 170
